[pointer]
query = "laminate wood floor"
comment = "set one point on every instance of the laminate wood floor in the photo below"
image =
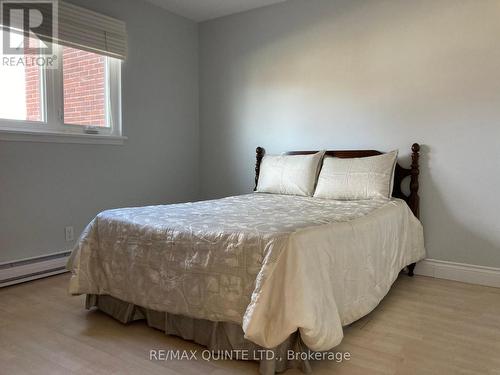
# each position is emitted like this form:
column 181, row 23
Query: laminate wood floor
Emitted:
column 423, row 326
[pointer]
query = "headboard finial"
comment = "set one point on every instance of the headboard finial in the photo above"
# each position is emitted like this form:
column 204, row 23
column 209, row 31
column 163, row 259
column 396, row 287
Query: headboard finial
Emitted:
column 414, row 199
column 259, row 154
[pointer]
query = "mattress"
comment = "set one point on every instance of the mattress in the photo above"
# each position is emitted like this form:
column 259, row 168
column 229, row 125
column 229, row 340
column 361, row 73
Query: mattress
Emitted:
column 273, row 264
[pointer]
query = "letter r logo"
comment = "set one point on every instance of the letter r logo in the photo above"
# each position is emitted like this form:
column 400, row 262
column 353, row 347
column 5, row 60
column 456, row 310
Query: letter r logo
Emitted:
column 28, row 26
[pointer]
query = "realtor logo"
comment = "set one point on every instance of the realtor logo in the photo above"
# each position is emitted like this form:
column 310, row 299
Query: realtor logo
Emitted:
column 28, row 27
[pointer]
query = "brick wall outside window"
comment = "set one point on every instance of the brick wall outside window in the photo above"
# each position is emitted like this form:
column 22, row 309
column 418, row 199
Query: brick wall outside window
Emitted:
column 32, row 93
column 32, row 74
column 84, row 89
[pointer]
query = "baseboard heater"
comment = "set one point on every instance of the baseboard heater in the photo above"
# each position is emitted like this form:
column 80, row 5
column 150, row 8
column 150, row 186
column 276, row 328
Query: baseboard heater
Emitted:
column 33, row 268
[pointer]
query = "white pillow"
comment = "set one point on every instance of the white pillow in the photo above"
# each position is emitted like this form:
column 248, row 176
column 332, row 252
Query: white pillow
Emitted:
column 358, row 178
column 289, row 174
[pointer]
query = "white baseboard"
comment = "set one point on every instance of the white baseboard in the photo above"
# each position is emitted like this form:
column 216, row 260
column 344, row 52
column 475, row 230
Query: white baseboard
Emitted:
column 466, row 273
column 33, row 268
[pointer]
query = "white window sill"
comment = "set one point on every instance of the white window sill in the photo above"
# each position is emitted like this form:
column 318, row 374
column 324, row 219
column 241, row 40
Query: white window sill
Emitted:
column 37, row 136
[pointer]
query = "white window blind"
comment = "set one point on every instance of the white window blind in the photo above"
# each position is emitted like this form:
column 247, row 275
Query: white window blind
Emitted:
column 80, row 28
column 91, row 31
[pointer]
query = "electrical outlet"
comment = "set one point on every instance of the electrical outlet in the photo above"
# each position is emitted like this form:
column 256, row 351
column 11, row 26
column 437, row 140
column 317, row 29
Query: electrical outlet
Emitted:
column 69, row 234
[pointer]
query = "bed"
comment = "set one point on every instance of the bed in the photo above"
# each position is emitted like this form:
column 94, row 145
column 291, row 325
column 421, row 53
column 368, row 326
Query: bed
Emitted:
column 252, row 272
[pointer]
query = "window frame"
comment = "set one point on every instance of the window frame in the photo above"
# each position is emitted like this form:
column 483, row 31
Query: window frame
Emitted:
column 52, row 128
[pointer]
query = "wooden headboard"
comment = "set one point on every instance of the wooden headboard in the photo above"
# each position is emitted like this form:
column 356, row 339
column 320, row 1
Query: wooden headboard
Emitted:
column 412, row 199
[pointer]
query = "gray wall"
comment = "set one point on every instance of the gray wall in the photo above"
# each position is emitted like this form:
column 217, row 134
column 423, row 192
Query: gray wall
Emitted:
column 316, row 74
column 47, row 186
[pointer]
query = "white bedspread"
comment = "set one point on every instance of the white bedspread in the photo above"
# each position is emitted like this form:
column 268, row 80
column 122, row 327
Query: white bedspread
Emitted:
column 272, row 263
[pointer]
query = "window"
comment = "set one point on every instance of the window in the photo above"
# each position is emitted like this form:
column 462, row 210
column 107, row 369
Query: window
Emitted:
column 81, row 96
column 76, row 97
column 21, row 90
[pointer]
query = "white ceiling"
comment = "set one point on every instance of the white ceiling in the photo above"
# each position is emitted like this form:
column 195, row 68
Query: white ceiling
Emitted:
column 202, row 10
